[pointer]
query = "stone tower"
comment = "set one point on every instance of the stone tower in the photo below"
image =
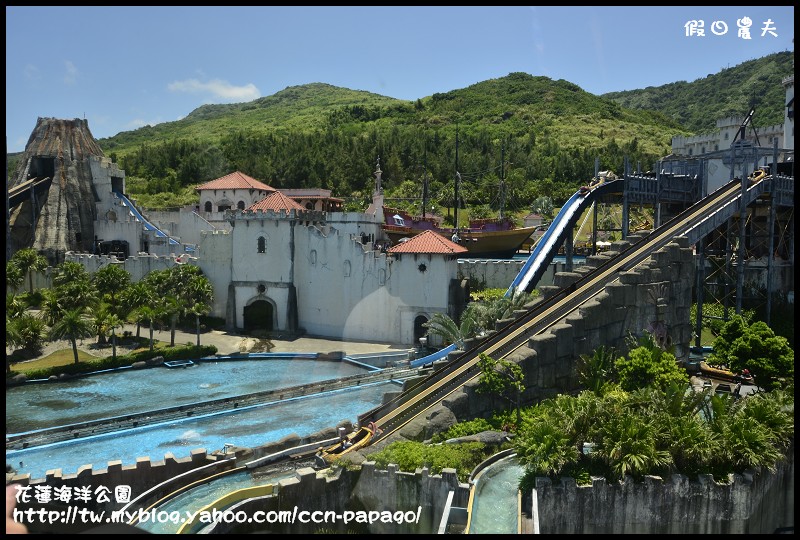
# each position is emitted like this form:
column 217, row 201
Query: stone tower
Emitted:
column 52, row 196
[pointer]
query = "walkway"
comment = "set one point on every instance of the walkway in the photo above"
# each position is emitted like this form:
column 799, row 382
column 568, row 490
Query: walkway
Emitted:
column 228, row 342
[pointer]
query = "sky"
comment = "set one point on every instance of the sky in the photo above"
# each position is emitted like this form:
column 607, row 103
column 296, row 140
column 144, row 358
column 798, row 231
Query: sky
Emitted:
column 125, row 67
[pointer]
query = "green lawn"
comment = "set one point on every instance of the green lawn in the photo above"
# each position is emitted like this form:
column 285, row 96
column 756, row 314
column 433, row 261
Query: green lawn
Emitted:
column 64, row 357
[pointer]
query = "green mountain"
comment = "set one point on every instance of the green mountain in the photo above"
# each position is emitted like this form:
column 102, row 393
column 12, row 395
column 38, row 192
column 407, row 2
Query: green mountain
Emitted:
column 548, row 132
column 697, row 105
column 298, row 108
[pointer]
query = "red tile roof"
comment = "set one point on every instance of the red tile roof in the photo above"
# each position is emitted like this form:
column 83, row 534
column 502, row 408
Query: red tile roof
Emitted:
column 428, row 242
column 275, row 201
column 235, row 180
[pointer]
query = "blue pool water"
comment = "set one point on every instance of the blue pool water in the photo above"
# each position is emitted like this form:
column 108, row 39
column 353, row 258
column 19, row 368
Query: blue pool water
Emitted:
column 242, row 427
column 37, row 406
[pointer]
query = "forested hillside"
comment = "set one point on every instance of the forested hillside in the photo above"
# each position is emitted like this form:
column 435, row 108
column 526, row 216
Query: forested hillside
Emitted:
column 697, row 105
column 546, row 132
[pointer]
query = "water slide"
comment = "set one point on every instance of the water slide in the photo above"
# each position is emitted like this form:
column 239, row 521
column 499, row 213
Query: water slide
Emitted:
column 544, row 252
column 21, row 192
column 694, row 223
column 547, row 247
column 147, row 225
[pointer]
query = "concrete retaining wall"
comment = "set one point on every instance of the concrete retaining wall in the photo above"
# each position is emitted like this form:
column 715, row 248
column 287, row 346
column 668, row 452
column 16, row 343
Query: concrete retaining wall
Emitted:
column 141, row 476
column 499, row 273
column 367, row 489
column 750, row 503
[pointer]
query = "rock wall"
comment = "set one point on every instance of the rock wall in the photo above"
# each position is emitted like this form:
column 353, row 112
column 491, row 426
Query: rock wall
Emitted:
column 753, row 502
column 656, row 294
column 62, row 218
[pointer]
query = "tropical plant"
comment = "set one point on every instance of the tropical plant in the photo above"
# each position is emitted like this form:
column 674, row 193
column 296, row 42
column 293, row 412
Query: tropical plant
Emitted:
column 628, row 443
column 501, row 377
column 545, row 448
column 442, row 325
column 597, row 371
column 14, row 305
column 72, row 325
column 111, row 280
column 755, row 347
column 137, row 295
column 74, row 286
column 29, row 261
column 25, row 331
column 112, row 323
column 649, row 365
column 14, row 276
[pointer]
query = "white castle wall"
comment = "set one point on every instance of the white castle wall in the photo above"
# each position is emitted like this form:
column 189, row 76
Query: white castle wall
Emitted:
column 345, row 290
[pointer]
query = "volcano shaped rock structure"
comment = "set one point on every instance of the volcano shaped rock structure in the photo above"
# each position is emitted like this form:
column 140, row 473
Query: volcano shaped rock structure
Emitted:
column 53, row 194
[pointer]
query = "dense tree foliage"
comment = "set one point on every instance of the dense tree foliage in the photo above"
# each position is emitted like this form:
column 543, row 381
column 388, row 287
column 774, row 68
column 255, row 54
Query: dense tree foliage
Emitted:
column 546, row 133
column 755, row 347
column 699, row 104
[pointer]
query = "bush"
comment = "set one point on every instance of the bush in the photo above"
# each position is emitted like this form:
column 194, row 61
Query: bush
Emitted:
column 170, row 353
column 410, row 456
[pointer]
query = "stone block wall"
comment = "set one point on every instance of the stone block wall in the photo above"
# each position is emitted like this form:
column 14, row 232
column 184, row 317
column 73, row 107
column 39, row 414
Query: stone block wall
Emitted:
column 366, row 489
column 657, row 290
column 141, row 476
column 753, row 502
column 499, row 273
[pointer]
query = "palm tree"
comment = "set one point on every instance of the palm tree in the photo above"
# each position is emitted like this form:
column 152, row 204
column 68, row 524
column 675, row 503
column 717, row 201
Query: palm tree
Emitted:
column 29, row 330
column 73, row 325
column 14, row 276
column 148, row 313
column 198, row 310
column 75, row 286
column 28, row 260
column 201, row 295
column 442, row 325
column 113, row 322
column 171, row 307
column 52, row 306
column 137, row 295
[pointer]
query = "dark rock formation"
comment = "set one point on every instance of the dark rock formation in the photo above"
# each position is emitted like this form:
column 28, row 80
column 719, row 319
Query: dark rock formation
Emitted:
column 58, row 217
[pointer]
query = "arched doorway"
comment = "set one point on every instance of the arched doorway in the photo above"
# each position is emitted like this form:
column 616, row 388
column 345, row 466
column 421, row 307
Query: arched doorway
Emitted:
column 258, row 316
column 419, row 330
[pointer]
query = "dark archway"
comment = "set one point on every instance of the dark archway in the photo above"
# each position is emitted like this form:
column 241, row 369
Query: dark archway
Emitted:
column 419, row 330
column 258, row 316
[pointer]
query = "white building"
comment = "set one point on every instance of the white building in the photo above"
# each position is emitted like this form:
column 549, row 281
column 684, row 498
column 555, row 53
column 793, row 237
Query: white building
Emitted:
column 283, row 268
column 754, row 146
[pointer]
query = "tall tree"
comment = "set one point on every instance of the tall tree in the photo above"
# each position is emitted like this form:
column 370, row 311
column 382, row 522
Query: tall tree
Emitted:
column 111, row 280
column 73, row 325
column 29, row 261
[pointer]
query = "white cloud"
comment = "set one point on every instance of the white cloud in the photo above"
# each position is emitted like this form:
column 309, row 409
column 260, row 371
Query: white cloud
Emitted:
column 219, row 89
column 32, row 72
column 72, row 73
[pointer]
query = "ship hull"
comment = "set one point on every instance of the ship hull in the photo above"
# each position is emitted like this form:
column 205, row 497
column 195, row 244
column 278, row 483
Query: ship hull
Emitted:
column 480, row 244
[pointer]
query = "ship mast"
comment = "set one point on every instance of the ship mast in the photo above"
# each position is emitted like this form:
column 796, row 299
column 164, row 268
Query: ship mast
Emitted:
column 502, row 178
column 458, row 181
